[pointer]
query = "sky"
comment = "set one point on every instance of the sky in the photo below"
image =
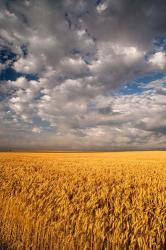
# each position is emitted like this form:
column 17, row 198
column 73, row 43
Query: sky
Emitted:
column 82, row 74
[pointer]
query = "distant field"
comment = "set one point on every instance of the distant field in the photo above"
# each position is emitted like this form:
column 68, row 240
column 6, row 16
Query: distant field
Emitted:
column 83, row 201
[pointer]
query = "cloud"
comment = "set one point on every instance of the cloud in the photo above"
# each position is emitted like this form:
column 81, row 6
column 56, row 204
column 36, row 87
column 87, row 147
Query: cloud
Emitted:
column 101, row 7
column 36, row 130
column 131, row 23
column 158, row 60
column 70, row 58
column 114, row 61
column 27, row 65
column 80, row 115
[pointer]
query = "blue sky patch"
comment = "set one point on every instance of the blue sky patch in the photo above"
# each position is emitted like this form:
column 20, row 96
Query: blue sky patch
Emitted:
column 10, row 74
column 98, row 2
column 137, row 86
column 160, row 42
column 7, row 55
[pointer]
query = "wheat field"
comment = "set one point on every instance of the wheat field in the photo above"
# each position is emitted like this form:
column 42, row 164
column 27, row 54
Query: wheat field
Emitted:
column 83, row 200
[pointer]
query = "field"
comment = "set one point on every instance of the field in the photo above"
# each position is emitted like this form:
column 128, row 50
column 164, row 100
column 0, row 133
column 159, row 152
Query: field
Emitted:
column 83, row 201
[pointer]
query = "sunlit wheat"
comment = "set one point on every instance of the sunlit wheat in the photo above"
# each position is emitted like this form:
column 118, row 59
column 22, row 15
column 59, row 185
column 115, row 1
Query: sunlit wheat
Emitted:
column 83, row 200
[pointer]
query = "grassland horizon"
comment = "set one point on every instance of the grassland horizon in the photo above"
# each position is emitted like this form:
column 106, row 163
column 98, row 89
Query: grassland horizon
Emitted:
column 80, row 151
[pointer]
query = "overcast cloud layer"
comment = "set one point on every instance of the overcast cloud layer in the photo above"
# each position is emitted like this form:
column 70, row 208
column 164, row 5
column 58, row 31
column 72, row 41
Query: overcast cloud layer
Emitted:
column 83, row 75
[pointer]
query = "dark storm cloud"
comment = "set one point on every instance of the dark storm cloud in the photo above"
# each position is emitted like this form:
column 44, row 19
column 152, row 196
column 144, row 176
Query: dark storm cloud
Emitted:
column 61, row 63
column 136, row 22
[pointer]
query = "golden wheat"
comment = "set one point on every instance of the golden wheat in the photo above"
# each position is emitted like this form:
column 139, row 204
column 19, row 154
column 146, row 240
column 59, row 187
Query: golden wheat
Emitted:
column 83, row 200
